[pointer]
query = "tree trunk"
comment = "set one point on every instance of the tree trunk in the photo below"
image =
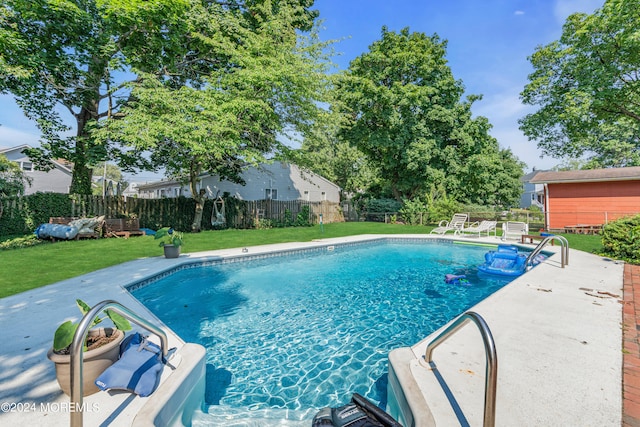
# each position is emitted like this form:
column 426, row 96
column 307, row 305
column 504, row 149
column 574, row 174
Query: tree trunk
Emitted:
column 198, row 197
column 196, row 226
column 82, row 173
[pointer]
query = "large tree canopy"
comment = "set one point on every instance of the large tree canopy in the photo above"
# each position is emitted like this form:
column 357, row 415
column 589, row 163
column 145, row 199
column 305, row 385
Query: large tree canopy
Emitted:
column 587, row 88
column 405, row 113
column 77, row 58
column 67, row 60
column 252, row 78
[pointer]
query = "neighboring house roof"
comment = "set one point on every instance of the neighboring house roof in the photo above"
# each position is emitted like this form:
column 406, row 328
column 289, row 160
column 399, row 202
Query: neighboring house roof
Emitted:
column 158, row 184
column 528, row 177
column 590, row 175
column 58, row 163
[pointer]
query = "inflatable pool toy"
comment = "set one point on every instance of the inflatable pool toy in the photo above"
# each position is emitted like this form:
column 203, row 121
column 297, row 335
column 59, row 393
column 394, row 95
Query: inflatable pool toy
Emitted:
column 506, row 261
column 456, row 279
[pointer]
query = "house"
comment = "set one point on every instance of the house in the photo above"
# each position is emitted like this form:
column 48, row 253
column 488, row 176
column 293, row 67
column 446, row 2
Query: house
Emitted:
column 589, row 198
column 276, row 181
column 56, row 180
column 532, row 193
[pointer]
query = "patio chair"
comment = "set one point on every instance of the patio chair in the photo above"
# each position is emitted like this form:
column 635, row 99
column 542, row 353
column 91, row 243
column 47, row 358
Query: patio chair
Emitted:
column 479, row 228
column 457, row 223
column 514, row 230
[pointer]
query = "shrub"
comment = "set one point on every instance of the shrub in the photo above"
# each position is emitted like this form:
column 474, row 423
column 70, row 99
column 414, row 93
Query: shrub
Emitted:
column 304, row 217
column 376, row 208
column 621, row 239
column 414, row 212
column 443, row 209
column 21, row 242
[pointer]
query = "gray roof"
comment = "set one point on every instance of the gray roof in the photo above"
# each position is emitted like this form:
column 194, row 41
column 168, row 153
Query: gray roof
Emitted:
column 590, row 175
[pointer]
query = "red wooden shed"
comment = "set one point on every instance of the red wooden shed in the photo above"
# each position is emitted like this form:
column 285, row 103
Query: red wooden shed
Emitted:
column 584, row 200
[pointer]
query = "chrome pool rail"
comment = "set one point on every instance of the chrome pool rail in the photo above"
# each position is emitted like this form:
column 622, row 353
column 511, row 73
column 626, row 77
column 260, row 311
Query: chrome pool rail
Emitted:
column 491, row 367
column 564, row 251
column 76, row 417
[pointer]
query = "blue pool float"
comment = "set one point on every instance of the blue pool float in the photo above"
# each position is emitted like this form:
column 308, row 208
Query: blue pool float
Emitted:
column 506, row 261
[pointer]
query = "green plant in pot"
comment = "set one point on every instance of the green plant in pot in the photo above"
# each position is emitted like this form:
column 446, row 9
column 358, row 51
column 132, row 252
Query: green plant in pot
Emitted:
column 101, row 348
column 170, row 240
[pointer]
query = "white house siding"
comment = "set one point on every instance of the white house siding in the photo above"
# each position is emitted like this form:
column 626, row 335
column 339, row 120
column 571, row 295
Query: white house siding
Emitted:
column 53, row 181
column 57, row 180
column 280, row 181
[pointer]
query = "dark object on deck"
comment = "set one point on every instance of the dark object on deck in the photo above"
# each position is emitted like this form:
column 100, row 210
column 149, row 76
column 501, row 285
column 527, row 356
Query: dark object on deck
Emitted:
column 359, row 413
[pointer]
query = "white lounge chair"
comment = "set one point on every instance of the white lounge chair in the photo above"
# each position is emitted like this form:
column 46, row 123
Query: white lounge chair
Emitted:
column 479, row 228
column 457, row 223
column 514, row 230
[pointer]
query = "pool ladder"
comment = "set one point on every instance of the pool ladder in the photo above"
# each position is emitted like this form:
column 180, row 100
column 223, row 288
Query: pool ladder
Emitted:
column 77, row 354
column 564, row 251
column 491, row 367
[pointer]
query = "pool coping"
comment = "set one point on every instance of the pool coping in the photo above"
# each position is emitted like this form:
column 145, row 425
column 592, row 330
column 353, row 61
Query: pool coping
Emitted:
column 558, row 339
column 30, row 379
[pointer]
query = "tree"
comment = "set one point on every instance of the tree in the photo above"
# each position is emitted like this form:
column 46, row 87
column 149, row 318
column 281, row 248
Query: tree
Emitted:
column 12, row 180
column 587, row 89
column 251, row 77
column 340, row 162
column 75, row 56
column 404, row 112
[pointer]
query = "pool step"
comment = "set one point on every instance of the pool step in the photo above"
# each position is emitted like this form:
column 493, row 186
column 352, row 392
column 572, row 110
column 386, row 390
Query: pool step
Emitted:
column 228, row 416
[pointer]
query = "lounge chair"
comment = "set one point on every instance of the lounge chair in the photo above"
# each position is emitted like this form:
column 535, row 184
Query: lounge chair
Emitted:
column 479, row 228
column 457, row 223
column 514, row 230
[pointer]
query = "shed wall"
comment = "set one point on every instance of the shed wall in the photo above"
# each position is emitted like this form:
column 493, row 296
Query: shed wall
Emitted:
column 591, row 203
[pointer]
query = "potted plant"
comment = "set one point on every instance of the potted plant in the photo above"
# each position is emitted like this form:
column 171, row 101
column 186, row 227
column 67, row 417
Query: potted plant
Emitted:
column 101, row 349
column 170, row 240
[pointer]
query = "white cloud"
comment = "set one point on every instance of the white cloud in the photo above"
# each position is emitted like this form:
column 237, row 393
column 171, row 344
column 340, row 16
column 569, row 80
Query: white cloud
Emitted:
column 518, row 12
column 563, row 8
column 502, row 106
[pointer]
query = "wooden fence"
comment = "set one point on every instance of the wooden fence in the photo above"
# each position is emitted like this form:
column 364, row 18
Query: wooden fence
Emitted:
column 280, row 211
column 20, row 215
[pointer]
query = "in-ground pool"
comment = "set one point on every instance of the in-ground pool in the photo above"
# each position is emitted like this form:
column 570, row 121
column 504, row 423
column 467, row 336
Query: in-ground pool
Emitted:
column 288, row 335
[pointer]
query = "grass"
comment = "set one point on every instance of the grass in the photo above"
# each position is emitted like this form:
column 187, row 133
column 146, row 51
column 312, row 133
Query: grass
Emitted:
column 36, row 266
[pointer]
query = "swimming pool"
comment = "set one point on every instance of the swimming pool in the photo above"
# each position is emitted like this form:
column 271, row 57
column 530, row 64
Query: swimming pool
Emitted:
column 288, row 335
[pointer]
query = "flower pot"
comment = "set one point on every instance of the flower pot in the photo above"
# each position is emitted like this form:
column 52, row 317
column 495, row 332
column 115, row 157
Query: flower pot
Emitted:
column 171, row 251
column 95, row 361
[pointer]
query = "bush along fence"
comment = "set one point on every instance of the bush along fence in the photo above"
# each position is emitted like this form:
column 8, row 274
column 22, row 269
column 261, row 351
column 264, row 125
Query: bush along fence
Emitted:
column 22, row 215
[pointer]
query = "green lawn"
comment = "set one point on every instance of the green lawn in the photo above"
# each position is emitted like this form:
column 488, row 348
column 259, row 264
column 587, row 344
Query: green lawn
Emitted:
column 33, row 267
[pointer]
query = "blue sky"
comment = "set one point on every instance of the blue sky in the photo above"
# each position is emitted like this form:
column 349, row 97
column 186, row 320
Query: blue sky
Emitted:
column 488, row 45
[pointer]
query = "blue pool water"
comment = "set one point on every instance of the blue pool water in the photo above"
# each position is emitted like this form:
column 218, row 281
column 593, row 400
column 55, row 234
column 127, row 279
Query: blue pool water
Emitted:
column 301, row 332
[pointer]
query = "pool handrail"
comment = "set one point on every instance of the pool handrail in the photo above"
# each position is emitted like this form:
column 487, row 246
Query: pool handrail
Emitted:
column 491, row 367
column 80, row 336
column 564, row 251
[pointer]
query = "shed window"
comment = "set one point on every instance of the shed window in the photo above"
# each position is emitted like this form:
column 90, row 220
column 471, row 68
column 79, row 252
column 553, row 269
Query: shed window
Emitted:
column 27, row 166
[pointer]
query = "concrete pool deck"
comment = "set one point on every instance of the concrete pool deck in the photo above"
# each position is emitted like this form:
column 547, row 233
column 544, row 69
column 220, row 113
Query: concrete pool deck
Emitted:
column 558, row 333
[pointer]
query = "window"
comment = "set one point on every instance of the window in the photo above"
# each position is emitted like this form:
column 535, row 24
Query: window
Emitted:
column 271, row 193
column 324, row 196
column 27, row 166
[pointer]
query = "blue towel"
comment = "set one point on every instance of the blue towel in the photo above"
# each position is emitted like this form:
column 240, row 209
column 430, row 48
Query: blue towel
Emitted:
column 138, row 369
